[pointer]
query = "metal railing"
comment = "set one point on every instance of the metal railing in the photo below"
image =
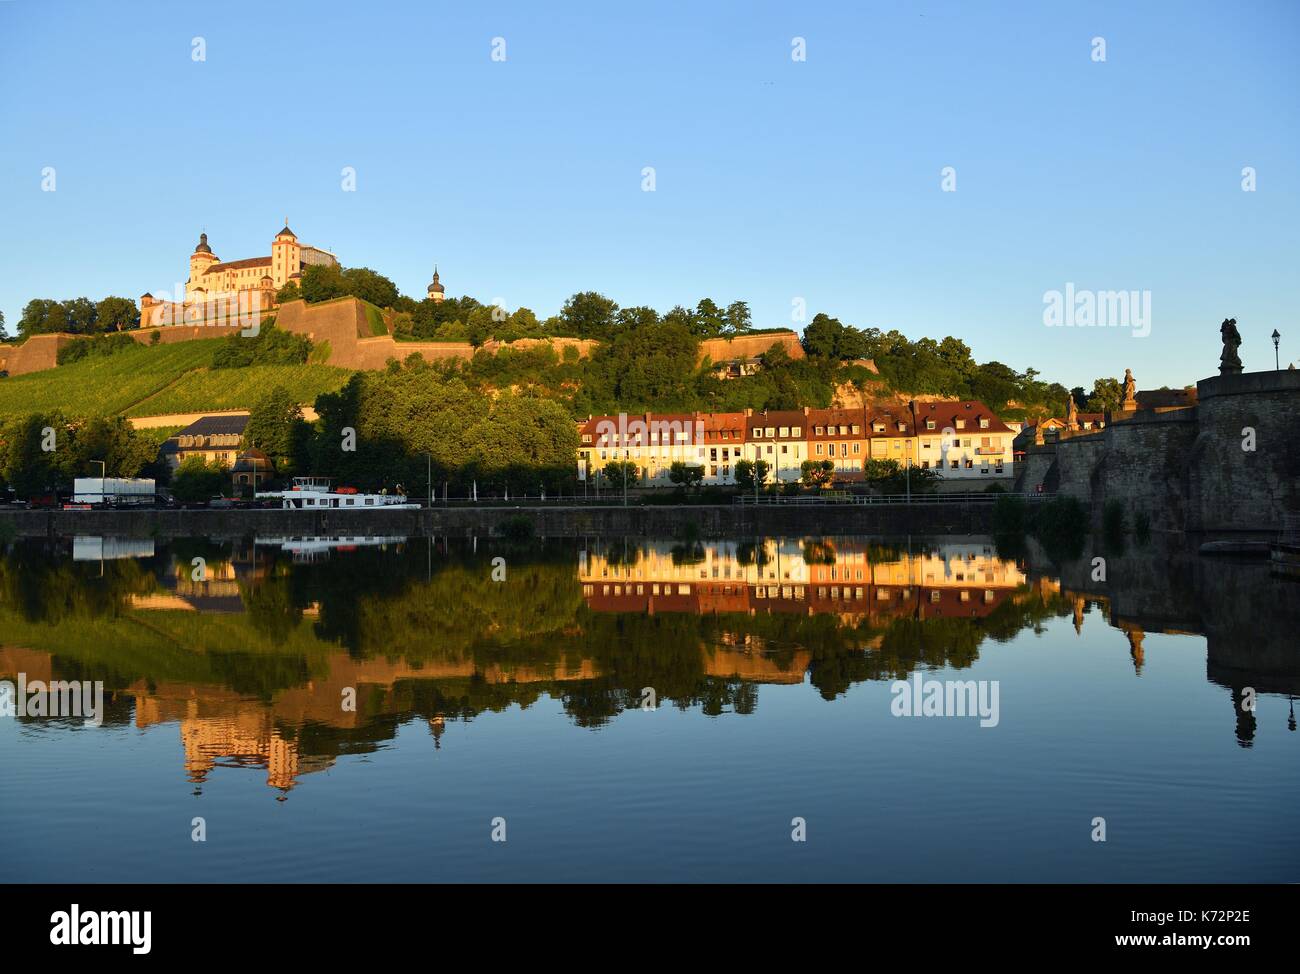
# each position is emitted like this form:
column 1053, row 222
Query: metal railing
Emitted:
column 949, row 497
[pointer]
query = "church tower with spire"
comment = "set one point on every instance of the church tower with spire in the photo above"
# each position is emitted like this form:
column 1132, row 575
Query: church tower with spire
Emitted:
column 436, row 291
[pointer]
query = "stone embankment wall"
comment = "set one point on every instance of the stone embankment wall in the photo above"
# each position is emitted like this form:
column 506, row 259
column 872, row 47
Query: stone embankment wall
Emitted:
column 723, row 521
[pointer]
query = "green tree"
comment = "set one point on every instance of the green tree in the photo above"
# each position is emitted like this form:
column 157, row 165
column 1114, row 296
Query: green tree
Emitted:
column 273, row 428
column 113, row 440
column 685, row 475
column 1106, row 395
column 28, row 468
column 116, row 314
column 817, row 473
column 620, row 473
column 737, row 318
column 588, row 314
column 828, row 338
column 748, row 470
column 195, row 480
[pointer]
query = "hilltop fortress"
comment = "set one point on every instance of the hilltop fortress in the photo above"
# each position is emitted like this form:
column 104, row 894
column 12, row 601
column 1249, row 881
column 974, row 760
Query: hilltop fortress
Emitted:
column 221, row 297
column 249, row 283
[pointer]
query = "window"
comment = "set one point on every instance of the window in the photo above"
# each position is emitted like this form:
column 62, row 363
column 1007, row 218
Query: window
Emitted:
column 797, row 431
column 961, row 424
column 984, row 423
column 819, row 449
column 757, row 433
column 785, row 431
column 929, row 424
column 817, row 431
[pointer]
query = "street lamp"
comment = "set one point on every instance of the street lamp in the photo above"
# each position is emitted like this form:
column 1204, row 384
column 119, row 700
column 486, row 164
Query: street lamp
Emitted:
column 909, row 471
column 1277, row 367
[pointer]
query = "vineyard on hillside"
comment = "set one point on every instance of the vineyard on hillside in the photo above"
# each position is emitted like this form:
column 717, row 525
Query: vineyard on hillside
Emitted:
column 151, row 380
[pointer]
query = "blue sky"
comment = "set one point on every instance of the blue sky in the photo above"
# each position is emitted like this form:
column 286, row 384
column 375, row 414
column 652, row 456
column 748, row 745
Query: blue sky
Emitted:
column 775, row 179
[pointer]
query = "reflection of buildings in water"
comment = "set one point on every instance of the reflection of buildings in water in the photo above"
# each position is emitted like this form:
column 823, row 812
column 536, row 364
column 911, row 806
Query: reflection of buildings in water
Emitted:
column 93, row 548
column 845, row 577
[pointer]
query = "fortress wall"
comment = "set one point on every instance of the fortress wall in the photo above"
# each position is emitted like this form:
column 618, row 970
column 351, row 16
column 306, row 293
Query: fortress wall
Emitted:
column 749, row 346
column 37, row 353
column 344, row 325
column 171, row 334
column 1231, row 488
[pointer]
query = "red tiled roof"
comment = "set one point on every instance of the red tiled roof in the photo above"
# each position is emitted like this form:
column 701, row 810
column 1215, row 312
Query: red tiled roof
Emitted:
column 830, row 420
column 945, row 415
column 234, row 265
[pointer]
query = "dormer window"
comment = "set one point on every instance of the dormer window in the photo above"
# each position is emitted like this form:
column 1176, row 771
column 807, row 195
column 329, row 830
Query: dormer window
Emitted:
column 961, row 424
column 984, row 423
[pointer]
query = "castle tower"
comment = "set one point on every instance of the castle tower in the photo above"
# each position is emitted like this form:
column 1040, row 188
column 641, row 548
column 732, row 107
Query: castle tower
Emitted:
column 436, row 290
column 266, row 291
column 286, row 256
column 200, row 261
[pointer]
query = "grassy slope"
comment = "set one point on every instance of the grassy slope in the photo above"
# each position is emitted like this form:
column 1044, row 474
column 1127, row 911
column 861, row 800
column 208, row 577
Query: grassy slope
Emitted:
column 150, row 380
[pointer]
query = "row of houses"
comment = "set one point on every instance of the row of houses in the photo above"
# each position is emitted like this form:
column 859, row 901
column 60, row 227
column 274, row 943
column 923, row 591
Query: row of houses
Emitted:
column 960, row 439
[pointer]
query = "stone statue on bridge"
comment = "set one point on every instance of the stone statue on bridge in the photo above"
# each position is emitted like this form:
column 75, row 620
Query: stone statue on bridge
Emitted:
column 1229, row 361
column 1072, row 414
column 1130, row 392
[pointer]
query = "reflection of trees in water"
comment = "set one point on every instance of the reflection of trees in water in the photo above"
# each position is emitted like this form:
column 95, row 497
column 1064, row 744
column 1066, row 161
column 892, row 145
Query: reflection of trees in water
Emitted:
column 411, row 607
column 42, row 584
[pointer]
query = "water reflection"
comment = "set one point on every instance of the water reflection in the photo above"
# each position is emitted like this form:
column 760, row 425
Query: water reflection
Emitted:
column 252, row 648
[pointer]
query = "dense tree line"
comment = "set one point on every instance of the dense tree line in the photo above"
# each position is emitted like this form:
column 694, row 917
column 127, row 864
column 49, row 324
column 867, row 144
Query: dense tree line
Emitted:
column 412, row 425
column 78, row 316
column 46, row 452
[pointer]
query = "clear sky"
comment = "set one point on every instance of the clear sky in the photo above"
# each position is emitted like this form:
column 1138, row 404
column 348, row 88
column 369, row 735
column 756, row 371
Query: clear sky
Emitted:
column 775, row 179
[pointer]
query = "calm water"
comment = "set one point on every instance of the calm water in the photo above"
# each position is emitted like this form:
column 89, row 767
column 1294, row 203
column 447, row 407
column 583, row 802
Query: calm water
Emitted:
column 772, row 663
